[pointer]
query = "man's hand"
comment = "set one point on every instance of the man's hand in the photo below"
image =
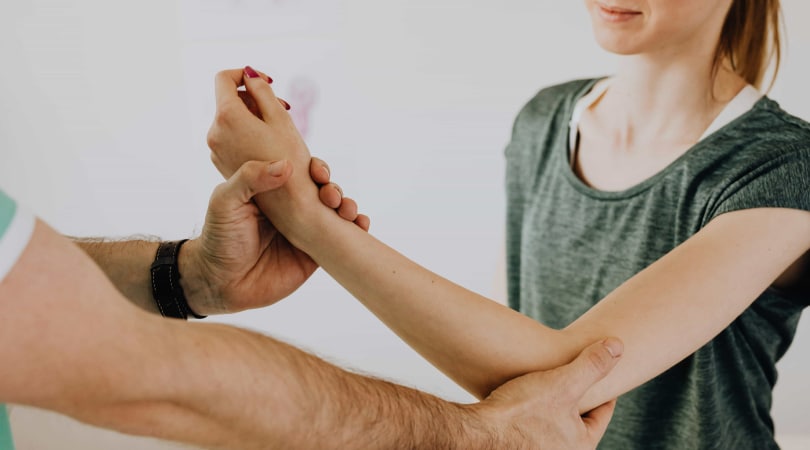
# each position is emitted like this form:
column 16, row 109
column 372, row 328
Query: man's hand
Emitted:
column 539, row 410
column 240, row 261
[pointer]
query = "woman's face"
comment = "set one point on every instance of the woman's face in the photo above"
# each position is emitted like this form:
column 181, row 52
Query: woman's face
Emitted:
column 629, row 27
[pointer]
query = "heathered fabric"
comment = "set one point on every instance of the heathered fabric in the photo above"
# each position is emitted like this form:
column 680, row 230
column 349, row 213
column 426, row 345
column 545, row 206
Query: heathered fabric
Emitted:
column 569, row 245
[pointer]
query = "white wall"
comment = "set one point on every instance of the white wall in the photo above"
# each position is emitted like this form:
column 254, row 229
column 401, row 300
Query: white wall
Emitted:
column 104, row 108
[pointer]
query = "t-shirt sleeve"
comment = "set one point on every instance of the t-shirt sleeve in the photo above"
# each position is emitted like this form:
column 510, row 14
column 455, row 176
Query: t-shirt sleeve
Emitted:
column 783, row 182
column 16, row 228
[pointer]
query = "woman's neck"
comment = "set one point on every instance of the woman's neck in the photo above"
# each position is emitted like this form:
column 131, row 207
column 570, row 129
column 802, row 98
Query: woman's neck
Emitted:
column 668, row 99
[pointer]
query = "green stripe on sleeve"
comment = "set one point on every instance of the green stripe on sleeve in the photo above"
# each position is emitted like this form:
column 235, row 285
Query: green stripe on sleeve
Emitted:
column 6, row 443
column 7, row 210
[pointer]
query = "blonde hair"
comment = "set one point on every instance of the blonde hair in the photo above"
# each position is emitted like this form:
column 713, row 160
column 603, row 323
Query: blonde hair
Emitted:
column 751, row 40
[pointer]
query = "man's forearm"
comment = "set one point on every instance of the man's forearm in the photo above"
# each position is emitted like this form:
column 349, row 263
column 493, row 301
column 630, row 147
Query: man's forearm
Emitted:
column 299, row 401
column 207, row 384
column 239, row 390
column 126, row 264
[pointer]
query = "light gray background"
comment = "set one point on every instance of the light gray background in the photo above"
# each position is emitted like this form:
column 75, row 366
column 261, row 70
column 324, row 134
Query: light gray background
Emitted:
column 105, row 106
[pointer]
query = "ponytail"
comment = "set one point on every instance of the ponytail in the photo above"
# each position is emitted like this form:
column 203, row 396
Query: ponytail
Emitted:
column 751, row 40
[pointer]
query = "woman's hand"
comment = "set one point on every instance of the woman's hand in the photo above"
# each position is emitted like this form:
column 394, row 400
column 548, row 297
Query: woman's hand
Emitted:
column 254, row 125
column 251, row 125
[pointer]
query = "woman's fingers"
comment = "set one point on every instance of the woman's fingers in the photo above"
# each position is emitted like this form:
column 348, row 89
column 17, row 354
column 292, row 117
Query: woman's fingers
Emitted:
column 250, row 103
column 262, row 93
column 226, row 85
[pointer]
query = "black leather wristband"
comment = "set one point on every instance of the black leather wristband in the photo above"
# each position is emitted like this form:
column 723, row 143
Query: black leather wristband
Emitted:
column 166, row 288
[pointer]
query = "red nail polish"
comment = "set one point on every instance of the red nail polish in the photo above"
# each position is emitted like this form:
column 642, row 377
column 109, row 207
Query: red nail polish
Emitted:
column 286, row 105
column 269, row 80
column 250, row 72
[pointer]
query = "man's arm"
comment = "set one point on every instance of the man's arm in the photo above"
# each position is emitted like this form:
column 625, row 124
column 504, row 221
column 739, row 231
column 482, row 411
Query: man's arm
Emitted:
column 239, row 261
column 126, row 263
column 70, row 343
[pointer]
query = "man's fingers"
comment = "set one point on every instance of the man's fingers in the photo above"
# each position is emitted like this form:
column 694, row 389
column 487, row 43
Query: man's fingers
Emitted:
column 598, row 419
column 363, row 221
column 348, row 209
column 252, row 178
column 592, row 364
column 331, row 195
column 319, row 171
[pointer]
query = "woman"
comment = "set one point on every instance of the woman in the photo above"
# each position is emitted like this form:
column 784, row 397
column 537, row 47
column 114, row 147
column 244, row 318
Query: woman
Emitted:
column 668, row 205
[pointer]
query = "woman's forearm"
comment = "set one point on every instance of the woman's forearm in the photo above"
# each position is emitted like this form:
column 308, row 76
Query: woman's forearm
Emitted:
column 481, row 344
column 477, row 342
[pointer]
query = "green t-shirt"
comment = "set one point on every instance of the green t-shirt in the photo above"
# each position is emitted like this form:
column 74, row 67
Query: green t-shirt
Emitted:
column 569, row 245
column 16, row 227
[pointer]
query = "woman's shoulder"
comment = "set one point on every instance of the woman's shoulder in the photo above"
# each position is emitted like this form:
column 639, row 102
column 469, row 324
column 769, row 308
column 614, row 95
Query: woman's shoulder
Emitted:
column 775, row 130
column 551, row 106
column 762, row 161
column 764, row 138
column 551, row 97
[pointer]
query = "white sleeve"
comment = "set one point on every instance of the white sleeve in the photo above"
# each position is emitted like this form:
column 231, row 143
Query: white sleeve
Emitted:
column 14, row 238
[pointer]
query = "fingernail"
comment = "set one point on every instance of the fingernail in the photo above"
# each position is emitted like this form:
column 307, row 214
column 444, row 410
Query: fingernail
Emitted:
column 250, row 72
column 277, row 168
column 286, row 105
column 614, row 347
column 326, row 169
column 269, row 80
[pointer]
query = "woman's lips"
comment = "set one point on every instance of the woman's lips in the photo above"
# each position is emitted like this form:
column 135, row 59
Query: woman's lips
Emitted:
column 616, row 14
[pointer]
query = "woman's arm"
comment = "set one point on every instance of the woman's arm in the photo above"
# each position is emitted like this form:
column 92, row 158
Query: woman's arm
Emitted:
column 663, row 314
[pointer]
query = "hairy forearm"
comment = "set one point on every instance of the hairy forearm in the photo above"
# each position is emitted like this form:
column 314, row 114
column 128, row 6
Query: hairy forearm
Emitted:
column 126, row 264
column 218, row 386
column 271, row 395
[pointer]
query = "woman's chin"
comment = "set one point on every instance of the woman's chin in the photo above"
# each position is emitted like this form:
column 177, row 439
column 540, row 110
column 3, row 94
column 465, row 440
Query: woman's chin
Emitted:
column 619, row 45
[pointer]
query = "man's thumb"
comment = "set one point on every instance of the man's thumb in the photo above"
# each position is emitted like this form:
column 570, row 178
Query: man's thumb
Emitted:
column 254, row 177
column 592, row 364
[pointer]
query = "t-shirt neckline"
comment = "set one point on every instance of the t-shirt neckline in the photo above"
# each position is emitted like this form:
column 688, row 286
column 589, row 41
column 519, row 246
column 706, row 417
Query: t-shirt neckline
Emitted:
column 563, row 144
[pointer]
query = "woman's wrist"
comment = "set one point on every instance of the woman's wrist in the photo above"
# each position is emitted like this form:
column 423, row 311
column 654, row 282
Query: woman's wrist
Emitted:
column 297, row 212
